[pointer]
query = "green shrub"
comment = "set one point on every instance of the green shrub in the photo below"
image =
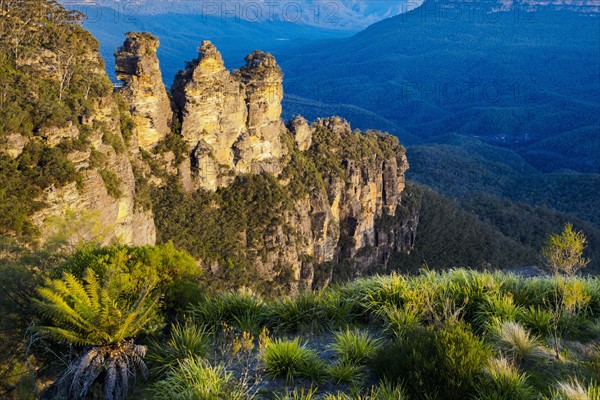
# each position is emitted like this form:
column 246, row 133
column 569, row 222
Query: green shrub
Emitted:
column 503, row 381
column 338, row 309
column 537, row 292
column 240, row 309
column 355, row 346
column 413, row 360
column 497, row 308
column 399, row 321
column 112, row 183
column 302, row 313
column 291, row 359
column 387, row 291
column 445, row 363
column 537, row 319
column 388, row 391
column 131, row 269
column 345, row 371
column 462, row 356
column 470, row 289
column 194, row 378
column 185, row 341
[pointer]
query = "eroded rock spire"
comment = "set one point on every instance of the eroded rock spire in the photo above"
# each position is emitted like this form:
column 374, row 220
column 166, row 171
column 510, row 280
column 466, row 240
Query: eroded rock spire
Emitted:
column 137, row 66
column 230, row 121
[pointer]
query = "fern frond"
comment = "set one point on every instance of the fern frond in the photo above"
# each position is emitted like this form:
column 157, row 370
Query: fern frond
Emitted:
column 76, row 290
column 57, row 307
column 88, row 313
column 106, row 314
column 65, row 335
column 144, row 316
column 124, row 326
column 80, row 297
column 93, row 289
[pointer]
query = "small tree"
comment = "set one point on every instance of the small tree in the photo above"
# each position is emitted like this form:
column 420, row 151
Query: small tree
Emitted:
column 563, row 254
column 92, row 315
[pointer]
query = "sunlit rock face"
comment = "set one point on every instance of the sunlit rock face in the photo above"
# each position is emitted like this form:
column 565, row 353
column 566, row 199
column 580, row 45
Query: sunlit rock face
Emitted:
column 87, row 209
column 137, row 66
column 229, row 124
column 230, row 121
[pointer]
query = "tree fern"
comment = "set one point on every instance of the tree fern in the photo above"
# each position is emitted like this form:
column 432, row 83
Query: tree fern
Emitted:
column 92, row 313
column 89, row 314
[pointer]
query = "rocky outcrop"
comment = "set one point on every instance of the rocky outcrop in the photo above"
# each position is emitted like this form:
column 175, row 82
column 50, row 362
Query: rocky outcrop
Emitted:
column 137, row 66
column 100, row 204
column 285, row 203
column 344, row 218
column 302, row 133
column 12, row 145
column 260, row 150
column 231, row 125
column 230, row 122
column 86, row 210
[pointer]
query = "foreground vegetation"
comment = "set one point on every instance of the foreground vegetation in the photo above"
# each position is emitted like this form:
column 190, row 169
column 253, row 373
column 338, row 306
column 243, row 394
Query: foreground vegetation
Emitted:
column 107, row 315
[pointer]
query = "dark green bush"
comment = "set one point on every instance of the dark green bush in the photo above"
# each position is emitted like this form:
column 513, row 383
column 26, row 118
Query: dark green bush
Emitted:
column 443, row 363
column 23, row 180
column 112, row 183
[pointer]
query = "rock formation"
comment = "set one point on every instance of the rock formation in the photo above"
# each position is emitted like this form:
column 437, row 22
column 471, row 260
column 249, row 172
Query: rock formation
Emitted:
column 230, row 122
column 231, row 125
column 341, row 222
column 302, row 133
column 324, row 191
column 137, row 66
column 99, row 214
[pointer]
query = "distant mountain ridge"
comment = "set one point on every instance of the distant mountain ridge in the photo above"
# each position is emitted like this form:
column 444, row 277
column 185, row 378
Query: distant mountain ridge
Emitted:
column 535, row 75
column 347, row 15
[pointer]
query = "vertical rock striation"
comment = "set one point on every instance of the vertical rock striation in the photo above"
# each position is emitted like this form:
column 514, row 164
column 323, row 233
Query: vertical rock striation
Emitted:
column 101, row 205
column 137, row 66
column 230, row 122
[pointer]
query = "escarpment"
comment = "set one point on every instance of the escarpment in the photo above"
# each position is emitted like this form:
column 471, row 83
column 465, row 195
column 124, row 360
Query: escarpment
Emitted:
column 65, row 165
column 211, row 167
column 317, row 193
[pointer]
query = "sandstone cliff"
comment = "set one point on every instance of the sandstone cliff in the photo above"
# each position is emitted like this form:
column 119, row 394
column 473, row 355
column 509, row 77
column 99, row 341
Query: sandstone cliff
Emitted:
column 230, row 122
column 137, row 66
column 103, row 198
column 65, row 165
column 333, row 186
column 215, row 170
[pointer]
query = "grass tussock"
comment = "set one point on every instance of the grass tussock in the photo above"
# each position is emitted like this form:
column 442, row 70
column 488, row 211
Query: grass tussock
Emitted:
column 440, row 335
column 291, row 359
column 185, row 341
column 194, row 378
column 355, row 346
column 516, row 342
column 503, row 381
column 574, row 389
